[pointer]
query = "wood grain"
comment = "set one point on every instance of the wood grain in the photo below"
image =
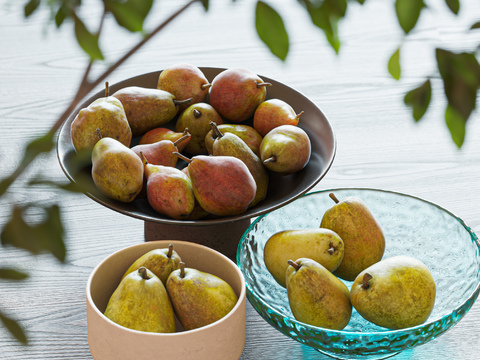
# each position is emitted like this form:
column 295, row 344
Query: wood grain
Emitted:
column 379, row 145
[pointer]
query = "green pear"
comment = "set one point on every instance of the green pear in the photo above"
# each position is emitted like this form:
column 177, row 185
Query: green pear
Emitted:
column 116, row 170
column 196, row 118
column 360, row 231
column 184, row 81
column 316, row 296
column 286, row 149
column 223, row 185
column 108, row 115
column 148, row 108
column 396, row 293
column 322, row 245
column 245, row 132
column 229, row 144
column 161, row 262
column 235, row 93
column 169, row 190
column 140, row 302
column 199, row 298
column 272, row 113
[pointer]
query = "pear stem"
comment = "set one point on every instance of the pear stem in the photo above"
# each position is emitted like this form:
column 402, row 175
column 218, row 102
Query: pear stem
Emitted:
column 185, row 136
column 144, row 159
column 294, row 264
column 331, row 250
column 196, row 113
column 181, row 102
column 260, row 84
column 216, row 130
column 182, row 269
column 299, row 114
column 170, row 251
column 107, row 89
column 99, row 133
column 183, row 157
column 206, row 86
column 272, row 158
column 143, row 273
column 333, row 197
column 366, row 278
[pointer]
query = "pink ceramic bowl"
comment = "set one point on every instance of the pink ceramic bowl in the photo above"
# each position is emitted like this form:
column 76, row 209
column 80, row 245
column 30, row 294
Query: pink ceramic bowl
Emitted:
column 224, row 339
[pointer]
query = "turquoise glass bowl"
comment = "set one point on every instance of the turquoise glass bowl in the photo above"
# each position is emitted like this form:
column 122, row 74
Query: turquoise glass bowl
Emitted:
column 413, row 227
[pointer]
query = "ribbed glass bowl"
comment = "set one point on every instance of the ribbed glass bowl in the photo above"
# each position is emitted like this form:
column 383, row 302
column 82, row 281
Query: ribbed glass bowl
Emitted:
column 413, row 227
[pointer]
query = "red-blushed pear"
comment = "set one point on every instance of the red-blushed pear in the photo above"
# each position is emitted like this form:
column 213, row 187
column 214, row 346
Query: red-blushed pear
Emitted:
column 286, row 149
column 169, row 190
column 223, row 185
column 147, row 108
column 248, row 134
column 235, row 93
column 116, row 170
column 108, row 115
column 161, row 152
column 184, row 81
column 162, row 133
column 272, row 113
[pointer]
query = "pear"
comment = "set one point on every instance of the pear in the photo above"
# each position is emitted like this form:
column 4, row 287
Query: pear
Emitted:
column 108, row 115
column 161, row 133
column 229, row 144
column 161, row 152
column 316, row 296
column 169, row 190
column 196, row 118
column 272, row 113
column 184, row 81
column 148, row 108
column 245, row 132
column 140, row 302
column 116, row 170
column 235, row 93
column 321, row 245
column 199, row 298
column 198, row 212
column 223, row 185
column 286, row 149
column 360, row 231
column 396, row 293
column 161, row 262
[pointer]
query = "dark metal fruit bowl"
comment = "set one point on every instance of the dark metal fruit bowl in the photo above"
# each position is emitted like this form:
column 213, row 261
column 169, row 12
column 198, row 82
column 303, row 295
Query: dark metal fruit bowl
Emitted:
column 282, row 189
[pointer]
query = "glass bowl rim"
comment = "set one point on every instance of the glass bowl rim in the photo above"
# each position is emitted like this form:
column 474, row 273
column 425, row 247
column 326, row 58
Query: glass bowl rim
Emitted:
column 473, row 295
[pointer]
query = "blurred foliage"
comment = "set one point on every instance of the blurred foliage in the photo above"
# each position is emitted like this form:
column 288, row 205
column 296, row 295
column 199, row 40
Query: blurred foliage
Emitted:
column 460, row 73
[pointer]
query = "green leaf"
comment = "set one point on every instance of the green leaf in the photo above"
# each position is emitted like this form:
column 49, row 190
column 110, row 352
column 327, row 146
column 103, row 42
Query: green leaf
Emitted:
column 408, row 12
column 87, row 40
column 46, row 235
column 394, row 65
column 326, row 15
column 475, row 26
column 14, row 328
column 361, row 2
column 461, row 79
column 453, row 5
column 130, row 14
column 205, row 4
column 12, row 274
column 456, row 124
column 30, row 7
column 419, row 99
column 271, row 29
column 60, row 15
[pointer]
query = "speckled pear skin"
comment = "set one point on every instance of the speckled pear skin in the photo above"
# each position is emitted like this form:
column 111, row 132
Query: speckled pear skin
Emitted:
column 147, row 108
column 116, row 170
column 223, row 185
column 229, row 144
column 272, row 113
column 361, row 233
column 245, row 132
column 398, row 292
column 199, row 298
column 321, row 245
column 106, row 114
column 141, row 302
column 159, row 261
column 316, row 296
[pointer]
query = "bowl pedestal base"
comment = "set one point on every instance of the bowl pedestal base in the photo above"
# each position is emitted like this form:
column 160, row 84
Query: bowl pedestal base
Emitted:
column 222, row 237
